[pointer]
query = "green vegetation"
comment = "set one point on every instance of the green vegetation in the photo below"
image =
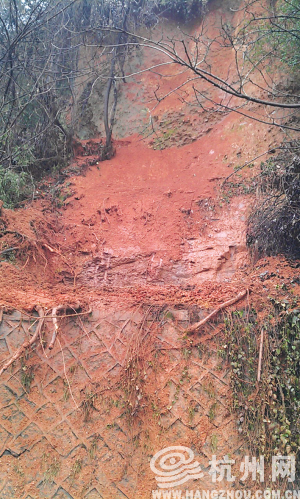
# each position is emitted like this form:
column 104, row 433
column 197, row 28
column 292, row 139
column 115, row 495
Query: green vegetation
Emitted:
column 93, row 448
column 268, row 410
column 14, row 187
column 212, row 411
column 76, row 468
column 27, row 375
column 42, row 65
column 41, row 47
column 280, row 35
column 52, row 468
column 214, row 443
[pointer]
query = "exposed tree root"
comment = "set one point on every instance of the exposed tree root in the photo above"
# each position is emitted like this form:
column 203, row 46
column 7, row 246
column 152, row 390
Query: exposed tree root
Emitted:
column 196, row 326
column 26, row 343
column 42, row 317
column 54, row 320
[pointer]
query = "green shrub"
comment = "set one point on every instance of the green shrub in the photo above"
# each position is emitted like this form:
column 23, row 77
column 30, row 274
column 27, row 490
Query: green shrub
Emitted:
column 268, row 411
column 14, row 187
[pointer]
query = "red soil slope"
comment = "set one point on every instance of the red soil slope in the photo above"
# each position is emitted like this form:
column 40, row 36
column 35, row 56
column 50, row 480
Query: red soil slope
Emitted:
column 147, row 221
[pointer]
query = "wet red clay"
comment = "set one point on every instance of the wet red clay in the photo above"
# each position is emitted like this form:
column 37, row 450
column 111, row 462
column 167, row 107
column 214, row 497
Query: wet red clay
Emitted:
column 141, row 209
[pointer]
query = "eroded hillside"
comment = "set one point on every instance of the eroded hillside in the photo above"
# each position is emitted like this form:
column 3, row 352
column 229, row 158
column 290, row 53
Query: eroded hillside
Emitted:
column 142, row 246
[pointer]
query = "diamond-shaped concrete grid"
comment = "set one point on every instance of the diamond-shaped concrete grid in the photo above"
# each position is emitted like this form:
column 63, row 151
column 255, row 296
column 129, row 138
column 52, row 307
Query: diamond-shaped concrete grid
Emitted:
column 118, row 350
column 128, row 485
column 7, row 396
column 4, row 437
column 47, row 416
column 84, row 344
column 47, row 490
column 168, row 336
column 84, row 431
column 25, row 440
column 4, row 351
column 100, row 364
column 103, row 481
column 115, row 465
column 63, row 439
column 62, row 494
column 72, row 332
column 167, row 419
column 16, row 338
column 93, row 494
column 61, row 360
column 13, row 382
column 8, row 492
column 30, row 402
column 115, row 438
column 43, row 370
column 183, row 402
column 54, row 390
column 12, row 419
column 119, row 494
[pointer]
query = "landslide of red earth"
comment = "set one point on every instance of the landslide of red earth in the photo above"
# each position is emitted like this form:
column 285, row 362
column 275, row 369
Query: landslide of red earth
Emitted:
column 148, row 240
column 152, row 223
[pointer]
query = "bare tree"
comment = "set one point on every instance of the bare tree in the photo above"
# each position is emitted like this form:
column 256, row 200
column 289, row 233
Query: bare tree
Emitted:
column 262, row 42
column 52, row 54
column 42, row 65
column 29, row 81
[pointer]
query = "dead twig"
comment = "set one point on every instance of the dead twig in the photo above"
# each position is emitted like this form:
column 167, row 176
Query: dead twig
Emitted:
column 9, row 249
column 260, row 354
column 65, row 373
column 26, row 343
column 196, row 326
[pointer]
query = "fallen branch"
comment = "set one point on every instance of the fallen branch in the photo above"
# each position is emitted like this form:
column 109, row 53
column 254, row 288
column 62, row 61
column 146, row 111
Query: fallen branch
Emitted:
column 196, row 326
column 26, row 343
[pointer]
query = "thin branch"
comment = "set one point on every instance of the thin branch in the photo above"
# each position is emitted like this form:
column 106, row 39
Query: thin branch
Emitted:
column 226, row 304
column 260, row 355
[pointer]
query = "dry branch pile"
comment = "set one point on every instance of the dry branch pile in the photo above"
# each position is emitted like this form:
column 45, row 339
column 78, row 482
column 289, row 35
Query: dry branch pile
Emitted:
column 274, row 225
